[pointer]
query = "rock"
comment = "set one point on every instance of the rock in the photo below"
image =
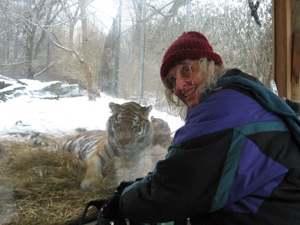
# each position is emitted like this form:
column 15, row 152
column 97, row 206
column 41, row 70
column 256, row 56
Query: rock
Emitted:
column 10, row 91
column 12, row 88
column 2, row 84
column 80, row 130
column 20, row 123
column 52, row 87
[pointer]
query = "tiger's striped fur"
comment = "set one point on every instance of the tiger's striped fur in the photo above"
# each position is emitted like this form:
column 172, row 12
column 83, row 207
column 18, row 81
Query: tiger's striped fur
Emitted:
column 128, row 134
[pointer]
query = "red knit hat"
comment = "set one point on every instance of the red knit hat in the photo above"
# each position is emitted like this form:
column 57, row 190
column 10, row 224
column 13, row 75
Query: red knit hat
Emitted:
column 191, row 45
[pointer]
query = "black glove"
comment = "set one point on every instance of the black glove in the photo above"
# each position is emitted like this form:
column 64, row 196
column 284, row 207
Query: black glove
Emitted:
column 98, row 204
column 122, row 186
column 111, row 209
column 125, row 184
column 102, row 221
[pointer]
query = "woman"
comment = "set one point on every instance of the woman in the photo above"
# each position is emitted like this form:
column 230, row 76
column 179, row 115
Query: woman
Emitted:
column 235, row 161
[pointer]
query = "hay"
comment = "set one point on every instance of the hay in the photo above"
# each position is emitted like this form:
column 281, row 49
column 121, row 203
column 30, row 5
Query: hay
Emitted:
column 40, row 187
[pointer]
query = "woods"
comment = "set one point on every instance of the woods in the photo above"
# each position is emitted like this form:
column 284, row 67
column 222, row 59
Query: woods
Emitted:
column 67, row 40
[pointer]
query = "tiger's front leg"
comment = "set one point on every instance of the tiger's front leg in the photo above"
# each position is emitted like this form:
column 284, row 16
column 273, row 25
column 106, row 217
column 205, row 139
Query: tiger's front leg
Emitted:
column 93, row 172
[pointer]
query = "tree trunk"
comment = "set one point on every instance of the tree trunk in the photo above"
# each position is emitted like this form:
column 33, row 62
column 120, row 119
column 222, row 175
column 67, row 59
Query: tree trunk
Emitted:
column 30, row 56
column 85, row 43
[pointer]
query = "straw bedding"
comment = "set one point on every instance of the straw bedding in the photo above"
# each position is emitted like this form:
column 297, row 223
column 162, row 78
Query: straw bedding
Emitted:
column 43, row 187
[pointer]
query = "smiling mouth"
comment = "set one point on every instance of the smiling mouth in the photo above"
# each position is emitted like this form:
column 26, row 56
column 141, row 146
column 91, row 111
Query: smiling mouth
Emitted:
column 189, row 93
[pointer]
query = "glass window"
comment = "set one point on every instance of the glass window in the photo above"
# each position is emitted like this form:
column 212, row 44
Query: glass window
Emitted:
column 63, row 62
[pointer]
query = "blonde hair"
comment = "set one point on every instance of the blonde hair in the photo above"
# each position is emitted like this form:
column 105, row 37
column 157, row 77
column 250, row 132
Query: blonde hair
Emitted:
column 208, row 74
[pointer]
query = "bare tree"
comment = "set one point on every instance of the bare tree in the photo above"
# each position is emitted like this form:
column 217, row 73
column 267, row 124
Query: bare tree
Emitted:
column 92, row 93
column 26, row 39
column 159, row 32
column 228, row 25
column 110, row 63
column 83, row 64
column 61, row 38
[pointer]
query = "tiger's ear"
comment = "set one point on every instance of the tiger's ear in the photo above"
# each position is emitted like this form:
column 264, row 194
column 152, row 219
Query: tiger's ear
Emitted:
column 146, row 110
column 114, row 106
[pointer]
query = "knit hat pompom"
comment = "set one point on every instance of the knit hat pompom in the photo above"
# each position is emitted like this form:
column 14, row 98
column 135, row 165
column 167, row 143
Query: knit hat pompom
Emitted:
column 190, row 45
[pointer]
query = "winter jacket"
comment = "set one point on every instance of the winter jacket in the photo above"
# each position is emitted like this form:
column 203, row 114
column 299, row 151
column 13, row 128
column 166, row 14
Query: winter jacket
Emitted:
column 236, row 161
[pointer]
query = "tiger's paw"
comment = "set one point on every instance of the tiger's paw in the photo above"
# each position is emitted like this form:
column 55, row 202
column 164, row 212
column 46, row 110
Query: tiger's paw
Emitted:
column 88, row 183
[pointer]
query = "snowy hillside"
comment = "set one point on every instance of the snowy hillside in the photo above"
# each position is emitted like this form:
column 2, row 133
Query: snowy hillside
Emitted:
column 30, row 105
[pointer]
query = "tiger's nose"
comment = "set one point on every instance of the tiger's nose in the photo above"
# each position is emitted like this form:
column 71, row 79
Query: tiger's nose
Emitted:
column 124, row 141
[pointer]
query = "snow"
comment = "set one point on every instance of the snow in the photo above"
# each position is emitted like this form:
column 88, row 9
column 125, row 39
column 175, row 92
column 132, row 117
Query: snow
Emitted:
column 27, row 112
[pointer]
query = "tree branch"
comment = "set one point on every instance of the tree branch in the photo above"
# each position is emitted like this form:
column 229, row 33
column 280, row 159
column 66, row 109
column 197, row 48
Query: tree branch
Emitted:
column 14, row 64
column 42, row 71
column 56, row 44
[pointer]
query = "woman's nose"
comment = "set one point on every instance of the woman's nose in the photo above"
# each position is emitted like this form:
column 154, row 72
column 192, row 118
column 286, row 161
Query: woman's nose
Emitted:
column 180, row 83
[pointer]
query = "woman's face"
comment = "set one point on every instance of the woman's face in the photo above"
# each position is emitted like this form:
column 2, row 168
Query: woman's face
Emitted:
column 185, row 81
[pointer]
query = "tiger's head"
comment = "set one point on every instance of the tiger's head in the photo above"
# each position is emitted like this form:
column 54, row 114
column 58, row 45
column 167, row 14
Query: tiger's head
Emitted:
column 129, row 129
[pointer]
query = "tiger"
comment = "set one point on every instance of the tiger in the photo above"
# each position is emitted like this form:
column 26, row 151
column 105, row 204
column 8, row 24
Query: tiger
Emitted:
column 129, row 134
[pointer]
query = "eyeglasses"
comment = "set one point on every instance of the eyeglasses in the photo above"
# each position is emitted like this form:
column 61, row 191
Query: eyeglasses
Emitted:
column 184, row 72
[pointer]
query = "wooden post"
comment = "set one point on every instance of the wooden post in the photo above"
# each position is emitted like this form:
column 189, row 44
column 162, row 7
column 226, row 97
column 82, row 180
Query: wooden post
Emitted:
column 296, row 59
column 296, row 50
column 283, row 46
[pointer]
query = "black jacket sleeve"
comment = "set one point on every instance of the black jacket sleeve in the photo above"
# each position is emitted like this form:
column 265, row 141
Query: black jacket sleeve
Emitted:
column 181, row 186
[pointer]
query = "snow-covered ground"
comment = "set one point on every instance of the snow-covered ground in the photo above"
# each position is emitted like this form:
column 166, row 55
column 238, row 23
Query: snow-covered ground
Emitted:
column 28, row 110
